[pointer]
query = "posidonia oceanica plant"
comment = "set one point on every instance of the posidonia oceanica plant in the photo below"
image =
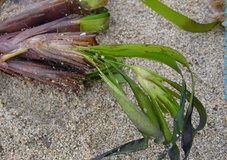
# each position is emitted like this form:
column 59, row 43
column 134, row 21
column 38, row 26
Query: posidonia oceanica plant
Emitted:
column 153, row 95
column 63, row 52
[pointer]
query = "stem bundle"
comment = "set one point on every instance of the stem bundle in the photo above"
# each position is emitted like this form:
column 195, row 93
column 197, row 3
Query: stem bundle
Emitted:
column 47, row 52
column 44, row 11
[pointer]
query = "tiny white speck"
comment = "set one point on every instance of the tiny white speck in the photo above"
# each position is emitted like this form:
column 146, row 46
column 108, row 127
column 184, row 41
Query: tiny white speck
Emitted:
column 83, row 34
column 170, row 145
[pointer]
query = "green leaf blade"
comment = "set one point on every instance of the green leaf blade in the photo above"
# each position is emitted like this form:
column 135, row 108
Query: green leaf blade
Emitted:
column 157, row 53
column 143, row 124
column 95, row 22
column 132, row 146
column 143, row 100
column 178, row 19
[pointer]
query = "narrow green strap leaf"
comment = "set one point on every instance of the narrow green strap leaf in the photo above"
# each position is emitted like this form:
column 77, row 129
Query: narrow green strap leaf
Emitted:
column 157, row 53
column 94, row 74
column 168, row 102
column 162, row 107
column 202, row 114
column 159, row 90
column 132, row 146
column 113, row 79
column 142, row 98
column 179, row 118
column 178, row 19
column 95, row 22
column 172, row 149
column 133, row 50
column 164, row 125
column 174, row 152
column 197, row 104
column 139, row 119
column 187, row 136
column 160, row 97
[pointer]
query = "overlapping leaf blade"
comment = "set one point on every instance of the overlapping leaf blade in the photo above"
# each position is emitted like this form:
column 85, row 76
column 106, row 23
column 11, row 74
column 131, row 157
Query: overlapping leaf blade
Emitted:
column 143, row 100
column 169, row 57
column 158, row 53
column 139, row 119
column 154, row 99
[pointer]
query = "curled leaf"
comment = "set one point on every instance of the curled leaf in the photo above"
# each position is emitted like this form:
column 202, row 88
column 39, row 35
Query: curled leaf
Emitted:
column 178, row 19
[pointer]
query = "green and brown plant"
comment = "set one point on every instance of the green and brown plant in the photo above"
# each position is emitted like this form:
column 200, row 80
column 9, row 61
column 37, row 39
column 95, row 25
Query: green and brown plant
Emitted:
column 63, row 52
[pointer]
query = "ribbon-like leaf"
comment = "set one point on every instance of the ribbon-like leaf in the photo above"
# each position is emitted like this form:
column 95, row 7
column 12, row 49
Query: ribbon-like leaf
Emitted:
column 178, row 19
column 139, row 119
column 143, row 100
column 197, row 104
column 132, row 146
column 157, row 53
column 161, row 97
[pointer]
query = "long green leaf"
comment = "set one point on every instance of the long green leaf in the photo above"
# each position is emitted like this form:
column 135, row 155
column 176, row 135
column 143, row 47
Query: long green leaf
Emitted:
column 150, row 88
column 112, row 78
column 169, row 57
column 178, row 19
column 158, row 91
column 174, row 152
column 178, row 123
column 139, row 119
column 132, row 146
column 198, row 105
column 133, row 50
column 188, row 131
column 142, row 98
column 157, row 53
column 187, row 135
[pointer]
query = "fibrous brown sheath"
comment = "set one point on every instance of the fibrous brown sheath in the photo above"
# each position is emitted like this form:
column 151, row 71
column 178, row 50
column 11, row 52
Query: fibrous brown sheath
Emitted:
column 10, row 41
column 47, row 49
column 41, row 12
column 50, row 58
